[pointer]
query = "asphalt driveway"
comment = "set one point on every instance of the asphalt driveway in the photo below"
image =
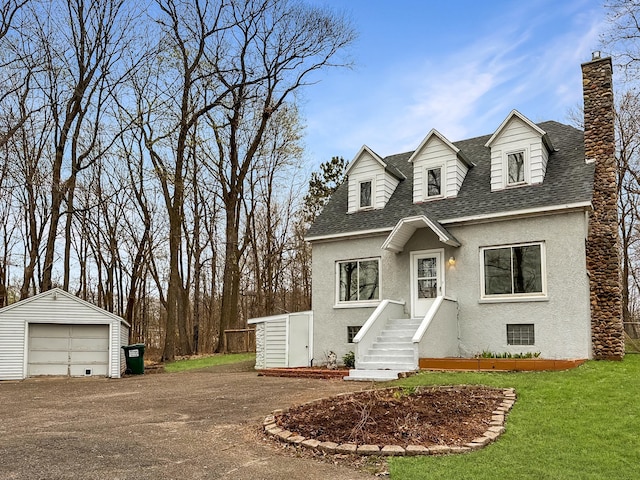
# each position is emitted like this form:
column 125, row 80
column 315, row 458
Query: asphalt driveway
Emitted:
column 192, row 425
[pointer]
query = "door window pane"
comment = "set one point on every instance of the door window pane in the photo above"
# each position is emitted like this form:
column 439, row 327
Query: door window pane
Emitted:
column 427, row 277
column 428, row 288
column 427, row 267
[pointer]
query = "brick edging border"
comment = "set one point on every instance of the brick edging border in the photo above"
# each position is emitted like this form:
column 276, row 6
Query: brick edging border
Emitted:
column 496, row 428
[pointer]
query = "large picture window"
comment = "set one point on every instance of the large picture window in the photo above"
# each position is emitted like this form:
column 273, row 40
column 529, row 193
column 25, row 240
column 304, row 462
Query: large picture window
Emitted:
column 515, row 270
column 359, row 280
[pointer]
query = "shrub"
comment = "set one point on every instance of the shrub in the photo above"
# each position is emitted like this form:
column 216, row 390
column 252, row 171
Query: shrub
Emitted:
column 349, row 360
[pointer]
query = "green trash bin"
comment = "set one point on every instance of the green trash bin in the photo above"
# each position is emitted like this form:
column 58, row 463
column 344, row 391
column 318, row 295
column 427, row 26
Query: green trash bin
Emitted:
column 134, row 355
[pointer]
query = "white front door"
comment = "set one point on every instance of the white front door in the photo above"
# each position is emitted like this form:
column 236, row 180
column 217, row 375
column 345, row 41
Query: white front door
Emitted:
column 426, row 281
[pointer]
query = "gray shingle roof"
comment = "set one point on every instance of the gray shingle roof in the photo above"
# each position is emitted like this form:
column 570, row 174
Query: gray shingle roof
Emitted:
column 568, row 180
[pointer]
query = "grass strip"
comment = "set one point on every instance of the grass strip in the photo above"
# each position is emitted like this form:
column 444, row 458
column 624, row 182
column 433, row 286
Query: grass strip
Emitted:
column 578, row 424
column 208, row 361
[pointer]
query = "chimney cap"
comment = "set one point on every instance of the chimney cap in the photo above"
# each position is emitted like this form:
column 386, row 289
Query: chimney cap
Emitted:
column 595, row 55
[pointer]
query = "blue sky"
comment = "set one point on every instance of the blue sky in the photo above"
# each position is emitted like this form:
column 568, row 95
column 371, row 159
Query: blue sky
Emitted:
column 458, row 66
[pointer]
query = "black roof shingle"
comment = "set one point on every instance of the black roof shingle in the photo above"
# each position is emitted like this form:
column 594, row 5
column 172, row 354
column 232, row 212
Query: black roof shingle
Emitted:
column 568, row 180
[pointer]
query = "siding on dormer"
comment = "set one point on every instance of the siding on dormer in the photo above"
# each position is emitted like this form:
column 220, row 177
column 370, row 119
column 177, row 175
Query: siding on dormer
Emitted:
column 433, row 154
column 518, row 136
column 367, row 168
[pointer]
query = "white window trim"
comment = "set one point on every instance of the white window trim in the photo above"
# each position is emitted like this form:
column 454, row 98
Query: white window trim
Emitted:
column 425, row 182
column 373, row 194
column 357, row 303
column 527, row 168
column 515, row 297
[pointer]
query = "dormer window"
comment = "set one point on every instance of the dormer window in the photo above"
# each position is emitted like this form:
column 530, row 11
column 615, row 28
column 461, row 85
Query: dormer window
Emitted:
column 434, row 182
column 365, row 194
column 439, row 168
column 515, row 168
column 371, row 182
column 519, row 153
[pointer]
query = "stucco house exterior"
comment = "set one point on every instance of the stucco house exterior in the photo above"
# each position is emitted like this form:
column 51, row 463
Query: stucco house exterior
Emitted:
column 501, row 243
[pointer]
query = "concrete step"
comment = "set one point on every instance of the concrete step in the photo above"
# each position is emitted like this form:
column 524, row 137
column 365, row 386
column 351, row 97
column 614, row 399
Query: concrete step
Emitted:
column 386, row 359
column 372, row 375
column 404, row 333
column 407, row 350
column 390, row 365
column 405, row 321
column 392, row 346
column 396, row 337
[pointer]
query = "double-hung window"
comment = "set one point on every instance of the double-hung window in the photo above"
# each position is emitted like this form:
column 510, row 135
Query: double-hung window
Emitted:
column 434, row 182
column 513, row 271
column 365, row 194
column 359, row 280
column 515, row 168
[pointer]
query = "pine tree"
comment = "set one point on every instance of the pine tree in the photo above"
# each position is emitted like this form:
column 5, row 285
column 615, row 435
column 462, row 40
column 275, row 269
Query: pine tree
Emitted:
column 321, row 186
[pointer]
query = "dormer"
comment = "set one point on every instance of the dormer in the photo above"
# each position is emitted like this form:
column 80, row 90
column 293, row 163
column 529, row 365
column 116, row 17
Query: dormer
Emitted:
column 439, row 168
column 519, row 153
column 371, row 181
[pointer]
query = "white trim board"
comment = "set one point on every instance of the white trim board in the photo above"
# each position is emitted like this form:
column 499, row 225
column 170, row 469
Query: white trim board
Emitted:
column 488, row 217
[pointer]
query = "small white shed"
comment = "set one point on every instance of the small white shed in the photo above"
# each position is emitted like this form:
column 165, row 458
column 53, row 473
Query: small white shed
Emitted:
column 284, row 340
column 57, row 333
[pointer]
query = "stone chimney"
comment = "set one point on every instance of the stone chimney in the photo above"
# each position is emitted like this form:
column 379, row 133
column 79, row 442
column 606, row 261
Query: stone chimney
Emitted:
column 603, row 243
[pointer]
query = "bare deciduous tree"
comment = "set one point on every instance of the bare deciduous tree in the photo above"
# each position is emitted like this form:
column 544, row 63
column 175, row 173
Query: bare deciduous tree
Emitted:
column 275, row 48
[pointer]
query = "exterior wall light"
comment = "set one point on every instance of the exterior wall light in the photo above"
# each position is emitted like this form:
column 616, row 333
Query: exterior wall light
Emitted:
column 452, row 261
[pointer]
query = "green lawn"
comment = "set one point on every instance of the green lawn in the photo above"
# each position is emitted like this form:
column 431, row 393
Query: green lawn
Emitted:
column 578, row 424
column 210, row 361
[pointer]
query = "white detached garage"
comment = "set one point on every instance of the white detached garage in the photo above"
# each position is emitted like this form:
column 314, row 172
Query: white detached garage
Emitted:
column 56, row 333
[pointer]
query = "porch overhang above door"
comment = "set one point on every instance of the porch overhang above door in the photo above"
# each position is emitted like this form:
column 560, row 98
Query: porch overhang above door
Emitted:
column 406, row 227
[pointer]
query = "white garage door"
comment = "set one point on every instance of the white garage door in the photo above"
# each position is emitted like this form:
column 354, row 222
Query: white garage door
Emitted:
column 75, row 350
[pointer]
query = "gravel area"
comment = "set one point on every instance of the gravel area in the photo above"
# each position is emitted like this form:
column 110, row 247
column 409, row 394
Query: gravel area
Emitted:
column 202, row 424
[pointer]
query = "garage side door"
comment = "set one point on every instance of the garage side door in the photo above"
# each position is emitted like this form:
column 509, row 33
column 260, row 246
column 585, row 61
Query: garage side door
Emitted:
column 75, row 350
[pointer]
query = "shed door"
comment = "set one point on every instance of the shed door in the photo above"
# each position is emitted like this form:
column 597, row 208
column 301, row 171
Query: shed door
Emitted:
column 298, row 341
column 74, row 350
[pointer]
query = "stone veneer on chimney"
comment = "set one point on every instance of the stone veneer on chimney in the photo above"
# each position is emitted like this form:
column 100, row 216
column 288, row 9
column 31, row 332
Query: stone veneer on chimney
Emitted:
column 603, row 254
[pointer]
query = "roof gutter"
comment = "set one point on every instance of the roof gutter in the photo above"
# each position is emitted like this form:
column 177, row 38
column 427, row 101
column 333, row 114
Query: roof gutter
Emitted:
column 527, row 212
column 336, row 236
column 488, row 217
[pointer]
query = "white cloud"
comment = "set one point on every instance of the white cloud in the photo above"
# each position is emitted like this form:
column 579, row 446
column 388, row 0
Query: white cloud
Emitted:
column 462, row 92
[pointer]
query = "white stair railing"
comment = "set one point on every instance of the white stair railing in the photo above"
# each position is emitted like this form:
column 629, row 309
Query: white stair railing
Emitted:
column 375, row 324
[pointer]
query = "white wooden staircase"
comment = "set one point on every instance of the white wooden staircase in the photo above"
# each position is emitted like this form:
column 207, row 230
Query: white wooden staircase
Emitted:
column 391, row 353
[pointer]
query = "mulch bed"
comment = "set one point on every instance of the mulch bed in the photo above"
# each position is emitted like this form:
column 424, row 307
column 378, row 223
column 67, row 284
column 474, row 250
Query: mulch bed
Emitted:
column 425, row 416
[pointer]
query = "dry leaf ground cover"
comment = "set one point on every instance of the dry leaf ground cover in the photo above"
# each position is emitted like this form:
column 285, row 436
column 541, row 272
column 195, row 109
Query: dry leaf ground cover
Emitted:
column 433, row 416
